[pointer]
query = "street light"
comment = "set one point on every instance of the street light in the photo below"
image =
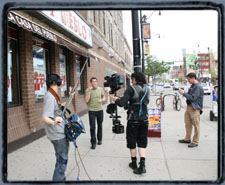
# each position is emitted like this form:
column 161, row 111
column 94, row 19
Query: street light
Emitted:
column 143, row 20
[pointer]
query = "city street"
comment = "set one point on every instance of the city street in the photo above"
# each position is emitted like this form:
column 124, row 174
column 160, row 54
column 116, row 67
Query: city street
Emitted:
column 166, row 158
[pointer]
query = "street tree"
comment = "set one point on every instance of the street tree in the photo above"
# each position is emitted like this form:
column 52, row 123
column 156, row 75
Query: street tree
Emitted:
column 155, row 68
column 192, row 62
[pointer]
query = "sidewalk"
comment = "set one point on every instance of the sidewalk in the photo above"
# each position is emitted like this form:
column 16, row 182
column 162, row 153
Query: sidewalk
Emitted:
column 166, row 158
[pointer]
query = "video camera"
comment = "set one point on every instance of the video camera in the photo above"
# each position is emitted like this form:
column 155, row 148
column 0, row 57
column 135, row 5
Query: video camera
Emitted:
column 115, row 82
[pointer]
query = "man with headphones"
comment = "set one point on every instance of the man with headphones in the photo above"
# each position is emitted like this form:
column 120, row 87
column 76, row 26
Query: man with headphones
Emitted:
column 54, row 125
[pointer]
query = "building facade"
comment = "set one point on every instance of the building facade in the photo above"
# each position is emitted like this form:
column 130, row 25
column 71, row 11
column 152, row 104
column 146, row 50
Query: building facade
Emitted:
column 42, row 42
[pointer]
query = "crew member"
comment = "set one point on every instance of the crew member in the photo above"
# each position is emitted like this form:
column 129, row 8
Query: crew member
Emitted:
column 137, row 99
column 54, row 125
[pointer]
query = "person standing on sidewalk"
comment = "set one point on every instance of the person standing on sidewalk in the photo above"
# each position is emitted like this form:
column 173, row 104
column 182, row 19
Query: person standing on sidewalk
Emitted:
column 137, row 98
column 94, row 98
column 54, row 125
column 194, row 100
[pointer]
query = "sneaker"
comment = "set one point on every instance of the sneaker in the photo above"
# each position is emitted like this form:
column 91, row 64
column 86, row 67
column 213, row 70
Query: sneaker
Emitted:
column 99, row 142
column 133, row 165
column 184, row 141
column 93, row 147
column 140, row 170
column 192, row 145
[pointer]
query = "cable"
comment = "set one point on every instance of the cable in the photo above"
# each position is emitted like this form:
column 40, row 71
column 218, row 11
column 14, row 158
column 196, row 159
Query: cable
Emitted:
column 77, row 165
column 83, row 165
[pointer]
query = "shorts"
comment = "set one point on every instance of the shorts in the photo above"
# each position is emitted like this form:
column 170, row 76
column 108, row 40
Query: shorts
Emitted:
column 137, row 134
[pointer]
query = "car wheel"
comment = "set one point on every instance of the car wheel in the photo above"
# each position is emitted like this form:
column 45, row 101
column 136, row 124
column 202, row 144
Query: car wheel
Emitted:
column 211, row 115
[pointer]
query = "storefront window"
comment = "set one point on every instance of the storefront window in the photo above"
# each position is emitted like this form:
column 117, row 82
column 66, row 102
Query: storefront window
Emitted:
column 39, row 63
column 13, row 87
column 79, row 65
column 62, row 60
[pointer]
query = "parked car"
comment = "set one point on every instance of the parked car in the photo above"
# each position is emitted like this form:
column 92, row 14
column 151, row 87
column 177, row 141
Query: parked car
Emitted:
column 161, row 84
column 166, row 85
column 178, row 86
column 206, row 88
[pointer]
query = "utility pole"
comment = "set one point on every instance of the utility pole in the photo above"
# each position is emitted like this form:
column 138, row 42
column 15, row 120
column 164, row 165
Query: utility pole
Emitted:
column 142, row 43
column 136, row 41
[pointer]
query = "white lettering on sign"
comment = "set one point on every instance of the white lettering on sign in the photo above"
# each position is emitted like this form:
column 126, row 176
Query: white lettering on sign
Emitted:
column 28, row 25
column 71, row 22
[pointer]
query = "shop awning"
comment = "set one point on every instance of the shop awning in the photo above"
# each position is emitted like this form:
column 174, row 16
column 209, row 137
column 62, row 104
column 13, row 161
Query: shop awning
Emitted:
column 43, row 32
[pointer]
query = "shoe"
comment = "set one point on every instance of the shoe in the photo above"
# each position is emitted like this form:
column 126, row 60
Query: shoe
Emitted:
column 133, row 165
column 99, row 142
column 192, row 145
column 184, row 141
column 93, row 147
column 140, row 170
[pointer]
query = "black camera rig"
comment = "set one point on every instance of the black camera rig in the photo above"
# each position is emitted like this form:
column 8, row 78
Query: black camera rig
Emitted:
column 115, row 82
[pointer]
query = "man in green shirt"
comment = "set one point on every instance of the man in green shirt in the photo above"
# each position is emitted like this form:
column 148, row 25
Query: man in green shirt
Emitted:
column 94, row 98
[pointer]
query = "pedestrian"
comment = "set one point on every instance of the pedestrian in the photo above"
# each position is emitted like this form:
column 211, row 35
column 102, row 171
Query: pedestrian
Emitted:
column 94, row 99
column 54, row 125
column 215, row 100
column 194, row 100
column 137, row 98
column 215, row 93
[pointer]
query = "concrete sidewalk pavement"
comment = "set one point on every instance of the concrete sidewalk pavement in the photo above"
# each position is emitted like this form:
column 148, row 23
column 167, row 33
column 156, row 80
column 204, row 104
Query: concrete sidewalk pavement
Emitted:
column 166, row 158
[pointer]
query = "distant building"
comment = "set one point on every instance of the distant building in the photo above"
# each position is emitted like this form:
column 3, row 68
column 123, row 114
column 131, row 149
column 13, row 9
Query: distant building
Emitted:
column 176, row 69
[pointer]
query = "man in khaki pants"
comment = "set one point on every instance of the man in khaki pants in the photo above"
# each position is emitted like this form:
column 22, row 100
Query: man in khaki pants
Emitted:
column 194, row 100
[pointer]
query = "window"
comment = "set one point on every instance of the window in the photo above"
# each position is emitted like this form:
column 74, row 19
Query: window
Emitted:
column 39, row 62
column 99, row 20
column 63, row 70
column 13, row 85
column 111, row 34
column 94, row 16
column 104, row 23
column 79, row 65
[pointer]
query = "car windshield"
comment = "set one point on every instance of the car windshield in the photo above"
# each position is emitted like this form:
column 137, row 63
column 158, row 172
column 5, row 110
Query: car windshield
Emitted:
column 178, row 84
column 204, row 85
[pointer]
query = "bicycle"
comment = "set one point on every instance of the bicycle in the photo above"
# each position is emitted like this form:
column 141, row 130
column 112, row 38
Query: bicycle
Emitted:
column 176, row 102
column 160, row 102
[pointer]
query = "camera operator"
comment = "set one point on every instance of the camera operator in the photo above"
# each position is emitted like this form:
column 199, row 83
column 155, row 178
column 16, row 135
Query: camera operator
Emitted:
column 137, row 119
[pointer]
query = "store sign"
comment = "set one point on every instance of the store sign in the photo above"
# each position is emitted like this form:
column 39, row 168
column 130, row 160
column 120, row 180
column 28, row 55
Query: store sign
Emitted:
column 72, row 23
column 30, row 26
column 146, row 31
column 39, row 72
column 147, row 49
column 78, row 74
column 9, row 77
column 154, row 116
column 63, row 72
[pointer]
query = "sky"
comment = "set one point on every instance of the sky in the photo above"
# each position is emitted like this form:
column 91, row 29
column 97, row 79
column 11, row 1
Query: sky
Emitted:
column 178, row 29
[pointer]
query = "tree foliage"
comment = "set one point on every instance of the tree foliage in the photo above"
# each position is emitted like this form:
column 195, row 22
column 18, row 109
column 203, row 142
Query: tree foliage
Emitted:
column 154, row 67
column 180, row 79
column 192, row 62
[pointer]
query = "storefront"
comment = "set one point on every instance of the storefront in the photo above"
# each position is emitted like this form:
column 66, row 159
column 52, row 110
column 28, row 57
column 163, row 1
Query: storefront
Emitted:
column 35, row 50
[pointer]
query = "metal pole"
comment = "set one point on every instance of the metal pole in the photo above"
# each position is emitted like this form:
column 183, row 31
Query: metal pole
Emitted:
column 136, row 41
column 142, row 44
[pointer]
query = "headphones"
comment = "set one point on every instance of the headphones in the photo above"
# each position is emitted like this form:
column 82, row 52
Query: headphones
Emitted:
column 53, row 77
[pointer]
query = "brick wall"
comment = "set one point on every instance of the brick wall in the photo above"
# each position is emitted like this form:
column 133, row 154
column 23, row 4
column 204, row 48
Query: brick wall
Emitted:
column 27, row 77
column 25, row 119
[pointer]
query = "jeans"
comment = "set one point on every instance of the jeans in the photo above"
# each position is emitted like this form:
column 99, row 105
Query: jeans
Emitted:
column 92, row 116
column 61, row 147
